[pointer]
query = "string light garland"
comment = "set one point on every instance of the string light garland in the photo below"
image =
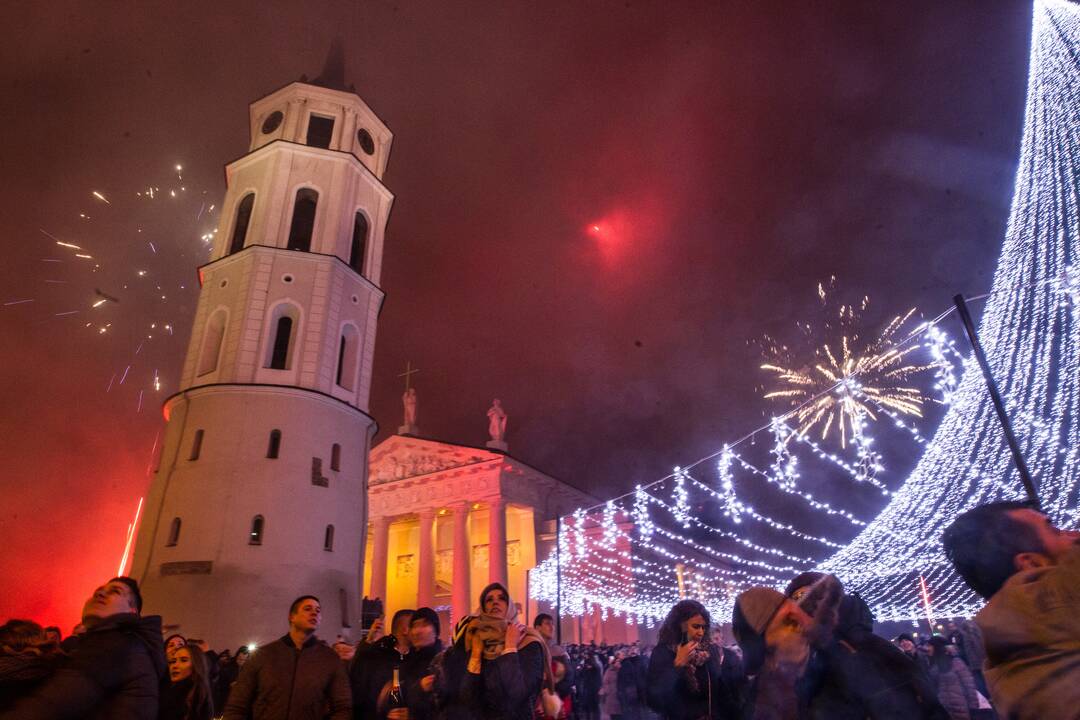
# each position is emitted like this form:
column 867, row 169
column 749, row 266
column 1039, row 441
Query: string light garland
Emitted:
column 630, row 563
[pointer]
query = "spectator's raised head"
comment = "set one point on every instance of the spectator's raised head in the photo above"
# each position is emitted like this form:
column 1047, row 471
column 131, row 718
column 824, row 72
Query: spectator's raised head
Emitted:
column 118, row 596
column 768, row 625
column 242, row 654
column 989, row 544
column 305, row 614
column 495, row 600
column 424, row 628
column 545, row 625
column 905, row 642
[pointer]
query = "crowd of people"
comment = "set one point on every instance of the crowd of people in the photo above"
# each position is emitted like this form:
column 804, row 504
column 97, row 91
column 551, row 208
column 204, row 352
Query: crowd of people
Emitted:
column 807, row 651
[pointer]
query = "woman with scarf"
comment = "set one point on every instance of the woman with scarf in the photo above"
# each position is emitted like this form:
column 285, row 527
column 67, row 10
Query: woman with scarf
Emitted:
column 685, row 681
column 496, row 668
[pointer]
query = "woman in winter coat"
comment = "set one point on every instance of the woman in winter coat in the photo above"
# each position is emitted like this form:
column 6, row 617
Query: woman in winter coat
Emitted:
column 684, row 677
column 496, row 668
column 27, row 656
column 188, row 695
column 609, row 691
column 954, row 682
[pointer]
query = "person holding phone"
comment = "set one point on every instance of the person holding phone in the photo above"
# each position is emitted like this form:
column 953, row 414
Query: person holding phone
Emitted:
column 374, row 662
column 687, row 677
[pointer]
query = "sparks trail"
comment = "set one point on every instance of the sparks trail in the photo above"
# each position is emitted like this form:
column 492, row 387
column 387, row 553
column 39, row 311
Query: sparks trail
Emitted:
column 862, row 374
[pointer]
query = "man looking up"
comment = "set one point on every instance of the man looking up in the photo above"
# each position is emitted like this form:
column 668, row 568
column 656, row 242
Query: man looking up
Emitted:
column 113, row 670
column 1029, row 573
column 294, row 678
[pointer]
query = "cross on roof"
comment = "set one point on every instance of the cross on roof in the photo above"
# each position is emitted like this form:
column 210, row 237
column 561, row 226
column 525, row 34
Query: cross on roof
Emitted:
column 409, row 372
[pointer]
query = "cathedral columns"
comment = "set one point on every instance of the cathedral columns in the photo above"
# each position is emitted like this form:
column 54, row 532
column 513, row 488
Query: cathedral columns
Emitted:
column 380, row 547
column 425, row 594
column 497, row 541
column 462, row 559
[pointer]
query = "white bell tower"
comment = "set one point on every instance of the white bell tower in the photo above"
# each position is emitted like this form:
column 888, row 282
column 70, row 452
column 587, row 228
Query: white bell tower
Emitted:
column 261, row 490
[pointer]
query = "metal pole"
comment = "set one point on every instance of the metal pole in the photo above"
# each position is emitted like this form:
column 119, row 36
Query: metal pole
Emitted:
column 999, row 405
column 558, row 580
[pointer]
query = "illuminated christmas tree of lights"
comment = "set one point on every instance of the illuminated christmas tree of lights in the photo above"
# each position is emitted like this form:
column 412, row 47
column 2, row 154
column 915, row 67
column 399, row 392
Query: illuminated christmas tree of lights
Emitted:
column 1030, row 336
column 894, row 560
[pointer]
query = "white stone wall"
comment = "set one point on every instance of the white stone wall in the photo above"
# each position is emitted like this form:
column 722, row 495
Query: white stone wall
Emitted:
column 245, row 595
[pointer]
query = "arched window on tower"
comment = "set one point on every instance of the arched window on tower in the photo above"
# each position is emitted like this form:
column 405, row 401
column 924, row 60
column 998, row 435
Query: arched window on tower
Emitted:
column 255, row 537
column 274, row 448
column 328, row 539
column 196, row 445
column 303, row 220
column 174, row 532
column 348, row 347
column 211, row 349
column 243, row 219
column 284, row 324
column 335, row 457
column 359, row 242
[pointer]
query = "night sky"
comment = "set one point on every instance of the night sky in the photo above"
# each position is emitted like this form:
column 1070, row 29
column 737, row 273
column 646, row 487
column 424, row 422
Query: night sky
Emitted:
column 733, row 155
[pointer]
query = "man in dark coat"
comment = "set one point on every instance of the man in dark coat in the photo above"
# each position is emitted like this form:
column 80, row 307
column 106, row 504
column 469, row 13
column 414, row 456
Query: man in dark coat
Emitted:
column 113, row 671
column 417, row 673
column 294, row 678
column 373, row 665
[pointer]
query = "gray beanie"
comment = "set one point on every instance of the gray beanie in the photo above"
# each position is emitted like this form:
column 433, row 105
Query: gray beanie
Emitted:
column 754, row 609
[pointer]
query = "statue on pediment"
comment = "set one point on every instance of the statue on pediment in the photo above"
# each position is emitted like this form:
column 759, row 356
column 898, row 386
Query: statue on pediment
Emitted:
column 408, row 402
column 497, row 422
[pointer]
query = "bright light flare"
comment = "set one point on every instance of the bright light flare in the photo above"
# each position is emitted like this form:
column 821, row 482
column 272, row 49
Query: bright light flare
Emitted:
column 101, row 197
column 132, row 527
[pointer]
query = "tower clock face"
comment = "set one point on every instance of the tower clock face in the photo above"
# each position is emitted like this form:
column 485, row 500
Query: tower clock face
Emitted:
column 366, row 143
column 272, row 121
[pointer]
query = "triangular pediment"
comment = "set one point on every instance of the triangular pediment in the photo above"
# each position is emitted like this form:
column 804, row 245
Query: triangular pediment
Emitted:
column 400, row 457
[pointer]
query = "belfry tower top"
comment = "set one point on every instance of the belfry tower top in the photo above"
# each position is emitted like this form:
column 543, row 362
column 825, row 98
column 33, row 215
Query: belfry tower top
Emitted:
column 323, row 113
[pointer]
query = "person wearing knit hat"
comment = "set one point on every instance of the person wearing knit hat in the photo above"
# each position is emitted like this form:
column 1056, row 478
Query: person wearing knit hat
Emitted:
column 754, row 610
column 798, row 587
column 425, row 615
column 417, row 669
column 818, row 655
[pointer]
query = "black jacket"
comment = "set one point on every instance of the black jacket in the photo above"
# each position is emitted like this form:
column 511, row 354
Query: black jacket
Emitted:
column 671, row 695
column 21, row 673
column 281, row 682
column 507, row 688
column 174, row 703
column 113, row 672
column 416, row 667
column 372, row 667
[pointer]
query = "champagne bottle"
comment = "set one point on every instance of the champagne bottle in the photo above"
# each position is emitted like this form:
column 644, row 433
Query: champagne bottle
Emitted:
column 397, row 698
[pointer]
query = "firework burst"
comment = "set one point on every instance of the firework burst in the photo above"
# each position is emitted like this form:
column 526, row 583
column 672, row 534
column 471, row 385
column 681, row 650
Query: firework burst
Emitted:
column 848, row 380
